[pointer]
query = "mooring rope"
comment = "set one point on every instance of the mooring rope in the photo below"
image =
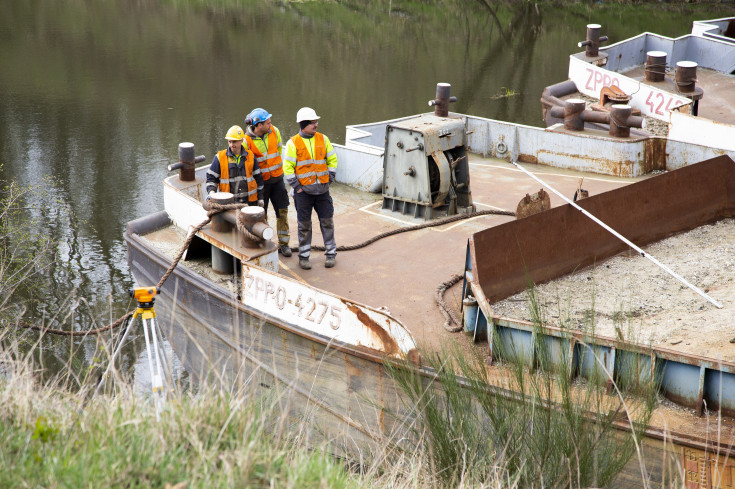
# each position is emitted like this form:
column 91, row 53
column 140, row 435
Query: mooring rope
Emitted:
column 213, row 209
column 393, row 232
column 448, row 313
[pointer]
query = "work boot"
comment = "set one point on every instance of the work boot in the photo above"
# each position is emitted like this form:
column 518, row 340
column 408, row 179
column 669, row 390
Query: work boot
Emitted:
column 285, row 250
column 304, row 263
column 330, row 262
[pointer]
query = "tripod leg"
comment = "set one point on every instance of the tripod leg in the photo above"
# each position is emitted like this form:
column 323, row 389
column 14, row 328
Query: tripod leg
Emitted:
column 167, row 371
column 158, row 351
column 156, row 383
column 114, row 356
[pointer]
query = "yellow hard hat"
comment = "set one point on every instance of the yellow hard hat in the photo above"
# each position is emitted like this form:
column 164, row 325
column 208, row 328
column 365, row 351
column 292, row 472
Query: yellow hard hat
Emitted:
column 235, row 133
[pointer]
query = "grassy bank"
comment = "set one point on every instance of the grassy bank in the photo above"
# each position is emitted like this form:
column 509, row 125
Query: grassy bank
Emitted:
column 54, row 435
column 51, row 438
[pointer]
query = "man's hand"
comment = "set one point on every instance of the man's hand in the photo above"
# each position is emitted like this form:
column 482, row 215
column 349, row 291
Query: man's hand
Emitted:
column 261, row 203
column 211, row 192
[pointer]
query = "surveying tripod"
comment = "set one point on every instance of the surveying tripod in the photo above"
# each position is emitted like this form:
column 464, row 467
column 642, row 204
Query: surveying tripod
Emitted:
column 145, row 310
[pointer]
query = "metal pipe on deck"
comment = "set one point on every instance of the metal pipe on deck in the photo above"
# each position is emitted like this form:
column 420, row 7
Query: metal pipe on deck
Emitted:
column 619, row 118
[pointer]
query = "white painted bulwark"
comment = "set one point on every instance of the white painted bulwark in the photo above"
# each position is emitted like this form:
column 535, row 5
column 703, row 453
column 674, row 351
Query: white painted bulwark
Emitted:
column 360, row 166
column 697, row 130
column 331, row 316
column 184, row 210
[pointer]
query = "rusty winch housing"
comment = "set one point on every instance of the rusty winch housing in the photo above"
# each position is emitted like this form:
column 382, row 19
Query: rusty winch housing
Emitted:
column 425, row 166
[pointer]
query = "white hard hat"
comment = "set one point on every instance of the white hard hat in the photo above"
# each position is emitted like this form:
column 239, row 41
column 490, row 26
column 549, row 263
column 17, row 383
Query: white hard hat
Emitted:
column 306, row 114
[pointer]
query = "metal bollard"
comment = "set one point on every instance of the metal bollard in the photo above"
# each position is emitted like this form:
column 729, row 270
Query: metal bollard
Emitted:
column 252, row 218
column 619, row 118
column 686, row 83
column 655, row 66
column 220, row 223
column 592, row 43
column 622, row 119
column 187, row 162
column 442, row 100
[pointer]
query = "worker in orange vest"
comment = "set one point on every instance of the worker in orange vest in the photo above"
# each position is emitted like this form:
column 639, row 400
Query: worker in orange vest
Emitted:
column 234, row 170
column 310, row 166
column 264, row 140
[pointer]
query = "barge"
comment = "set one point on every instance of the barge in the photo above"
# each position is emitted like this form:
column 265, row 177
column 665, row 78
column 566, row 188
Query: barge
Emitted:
column 686, row 84
column 324, row 335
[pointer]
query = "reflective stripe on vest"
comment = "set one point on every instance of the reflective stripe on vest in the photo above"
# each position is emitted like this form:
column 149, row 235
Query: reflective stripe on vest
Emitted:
column 270, row 163
column 310, row 170
column 224, row 175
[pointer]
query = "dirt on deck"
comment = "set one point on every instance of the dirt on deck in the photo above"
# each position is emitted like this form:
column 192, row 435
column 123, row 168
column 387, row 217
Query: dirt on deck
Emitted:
column 630, row 297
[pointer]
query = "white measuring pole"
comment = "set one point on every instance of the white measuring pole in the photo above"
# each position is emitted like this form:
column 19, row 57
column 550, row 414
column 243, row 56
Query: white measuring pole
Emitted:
column 621, row 237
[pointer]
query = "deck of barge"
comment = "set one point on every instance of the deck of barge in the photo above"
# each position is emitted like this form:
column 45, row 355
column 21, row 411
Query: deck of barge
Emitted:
column 402, row 272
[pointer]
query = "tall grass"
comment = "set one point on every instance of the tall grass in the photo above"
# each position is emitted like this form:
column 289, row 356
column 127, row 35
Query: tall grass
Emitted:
column 537, row 422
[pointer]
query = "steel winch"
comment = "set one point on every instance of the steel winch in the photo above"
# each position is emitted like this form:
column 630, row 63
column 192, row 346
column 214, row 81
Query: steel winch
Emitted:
column 425, row 165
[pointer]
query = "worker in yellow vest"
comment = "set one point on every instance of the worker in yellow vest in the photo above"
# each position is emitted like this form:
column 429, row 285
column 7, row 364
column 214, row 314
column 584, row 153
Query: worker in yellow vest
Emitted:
column 264, row 140
column 234, row 170
column 310, row 166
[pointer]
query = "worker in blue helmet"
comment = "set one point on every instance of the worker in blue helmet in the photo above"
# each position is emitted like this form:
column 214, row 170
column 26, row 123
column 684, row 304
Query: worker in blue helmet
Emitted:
column 264, row 140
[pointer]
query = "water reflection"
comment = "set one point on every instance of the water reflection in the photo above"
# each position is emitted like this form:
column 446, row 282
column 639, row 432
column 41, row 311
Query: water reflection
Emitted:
column 97, row 96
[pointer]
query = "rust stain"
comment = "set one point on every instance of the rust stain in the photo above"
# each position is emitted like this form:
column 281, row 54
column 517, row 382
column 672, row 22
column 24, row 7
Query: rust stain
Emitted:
column 414, row 357
column 389, row 344
column 607, row 166
column 524, row 158
column 350, row 369
column 655, row 156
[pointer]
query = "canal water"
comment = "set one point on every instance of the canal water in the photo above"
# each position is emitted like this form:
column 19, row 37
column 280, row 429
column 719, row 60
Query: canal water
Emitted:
column 95, row 97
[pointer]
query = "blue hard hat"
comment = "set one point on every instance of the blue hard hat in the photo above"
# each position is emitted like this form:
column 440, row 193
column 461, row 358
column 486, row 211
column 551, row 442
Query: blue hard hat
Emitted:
column 257, row 116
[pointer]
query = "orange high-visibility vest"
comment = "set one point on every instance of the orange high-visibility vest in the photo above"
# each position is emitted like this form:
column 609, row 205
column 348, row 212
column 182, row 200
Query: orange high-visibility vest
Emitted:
column 270, row 163
column 310, row 169
column 224, row 174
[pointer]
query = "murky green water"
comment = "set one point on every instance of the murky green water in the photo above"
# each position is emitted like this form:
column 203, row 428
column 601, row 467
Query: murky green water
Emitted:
column 97, row 94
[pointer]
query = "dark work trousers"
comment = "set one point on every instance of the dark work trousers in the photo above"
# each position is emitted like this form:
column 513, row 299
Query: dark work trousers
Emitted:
column 324, row 208
column 276, row 194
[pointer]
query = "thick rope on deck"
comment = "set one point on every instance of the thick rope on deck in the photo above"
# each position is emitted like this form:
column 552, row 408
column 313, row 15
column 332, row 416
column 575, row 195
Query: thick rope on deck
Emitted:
column 451, row 321
column 432, row 224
